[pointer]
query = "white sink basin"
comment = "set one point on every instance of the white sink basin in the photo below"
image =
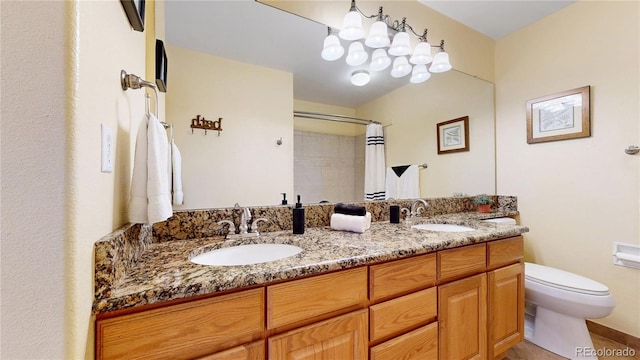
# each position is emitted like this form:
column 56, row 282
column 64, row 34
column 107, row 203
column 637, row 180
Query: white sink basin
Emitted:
column 246, row 254
column 442, row 227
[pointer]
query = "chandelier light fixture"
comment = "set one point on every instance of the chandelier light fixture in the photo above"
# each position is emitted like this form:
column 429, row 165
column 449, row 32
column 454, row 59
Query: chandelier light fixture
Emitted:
column 404, row 63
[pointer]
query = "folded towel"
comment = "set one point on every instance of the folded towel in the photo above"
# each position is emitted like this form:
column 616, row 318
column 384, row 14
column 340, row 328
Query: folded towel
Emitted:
column 351, row 223
column 341, row 208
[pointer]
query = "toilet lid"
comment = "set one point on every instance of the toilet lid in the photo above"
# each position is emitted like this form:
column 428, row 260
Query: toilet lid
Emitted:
column 563, row 280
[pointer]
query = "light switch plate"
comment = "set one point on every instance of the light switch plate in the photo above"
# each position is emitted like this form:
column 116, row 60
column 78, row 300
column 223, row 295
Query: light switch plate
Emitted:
column 107, row 149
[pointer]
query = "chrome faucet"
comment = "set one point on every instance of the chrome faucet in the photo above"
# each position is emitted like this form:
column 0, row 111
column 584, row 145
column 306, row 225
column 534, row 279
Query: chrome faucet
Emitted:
column 245, row 215
column 417, row 206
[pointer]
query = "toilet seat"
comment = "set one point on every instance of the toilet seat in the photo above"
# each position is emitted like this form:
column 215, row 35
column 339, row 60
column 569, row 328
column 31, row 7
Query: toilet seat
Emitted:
column 564, row 280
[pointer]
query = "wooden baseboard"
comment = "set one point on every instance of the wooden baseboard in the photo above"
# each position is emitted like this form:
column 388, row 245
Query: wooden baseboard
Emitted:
column 615, row 335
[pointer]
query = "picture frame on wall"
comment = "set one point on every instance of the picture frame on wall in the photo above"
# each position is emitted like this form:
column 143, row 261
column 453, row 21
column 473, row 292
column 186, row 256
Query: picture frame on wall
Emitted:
column 161, row 66
column 561, row 116
column 453, row 135
column 135, row 13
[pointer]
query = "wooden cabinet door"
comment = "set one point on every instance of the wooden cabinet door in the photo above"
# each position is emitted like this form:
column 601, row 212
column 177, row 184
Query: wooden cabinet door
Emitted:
column 506, row 308
column 343, row 337
column 462, row 319
column 253, row 351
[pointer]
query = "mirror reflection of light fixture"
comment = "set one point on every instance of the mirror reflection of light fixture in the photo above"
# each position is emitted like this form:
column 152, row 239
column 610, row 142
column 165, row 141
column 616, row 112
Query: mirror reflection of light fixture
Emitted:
column 401, row 67
column 332, row 50
column 440, row 61
column 356, row 56
column 379, row 60
column 378, row 39
column 419, row 74
column 360, row 78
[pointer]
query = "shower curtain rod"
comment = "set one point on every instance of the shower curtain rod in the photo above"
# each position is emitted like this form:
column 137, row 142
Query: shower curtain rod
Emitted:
column 333, row 117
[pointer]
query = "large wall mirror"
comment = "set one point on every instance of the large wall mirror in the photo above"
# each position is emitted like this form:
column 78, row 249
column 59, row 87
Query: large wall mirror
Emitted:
column 263, row 151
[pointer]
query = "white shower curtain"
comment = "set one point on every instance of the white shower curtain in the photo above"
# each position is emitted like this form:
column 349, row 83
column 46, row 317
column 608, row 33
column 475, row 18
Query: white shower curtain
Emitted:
column 374, row 167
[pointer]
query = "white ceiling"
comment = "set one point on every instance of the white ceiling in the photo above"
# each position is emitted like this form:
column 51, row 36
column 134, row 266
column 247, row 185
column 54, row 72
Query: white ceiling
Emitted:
column 251, row 32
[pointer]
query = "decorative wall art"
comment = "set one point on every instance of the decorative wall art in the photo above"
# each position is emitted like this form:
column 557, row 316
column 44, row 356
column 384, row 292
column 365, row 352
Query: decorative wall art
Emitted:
column 560, row 116
column 135, row 13
column 453, row 135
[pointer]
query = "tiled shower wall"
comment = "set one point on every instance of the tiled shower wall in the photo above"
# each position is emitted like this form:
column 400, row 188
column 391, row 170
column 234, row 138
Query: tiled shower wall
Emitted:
column 328, row 167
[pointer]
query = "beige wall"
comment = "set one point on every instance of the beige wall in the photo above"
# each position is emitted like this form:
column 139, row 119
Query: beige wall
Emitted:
column 105, row 43
column 256, row 104
column 32, row 259
column 413, row 111
column 577, row 196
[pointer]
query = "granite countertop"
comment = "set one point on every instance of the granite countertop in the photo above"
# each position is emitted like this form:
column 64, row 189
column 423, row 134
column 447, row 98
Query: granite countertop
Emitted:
column 165, row 272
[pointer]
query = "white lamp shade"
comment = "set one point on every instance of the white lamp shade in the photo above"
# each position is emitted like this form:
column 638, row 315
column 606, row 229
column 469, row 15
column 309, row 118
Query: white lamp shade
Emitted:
column 360, row 78
column 379, row 60
column 419, row 74
column 440, row 63
column 401, row 67
column 332, row 49
column 421, row 54
column 352, row 26
column 356, row 56
column 378, row 36
column 400, row 45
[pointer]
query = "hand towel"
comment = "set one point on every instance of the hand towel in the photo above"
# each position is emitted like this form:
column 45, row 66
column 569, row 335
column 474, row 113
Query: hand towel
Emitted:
column 346, row 209
column 403, row 182
column 150, row 198
column 176, row 162
column 357, row 224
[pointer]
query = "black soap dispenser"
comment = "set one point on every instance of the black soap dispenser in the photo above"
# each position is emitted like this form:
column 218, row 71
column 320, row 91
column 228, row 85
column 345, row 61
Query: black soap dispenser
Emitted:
column 298, row 218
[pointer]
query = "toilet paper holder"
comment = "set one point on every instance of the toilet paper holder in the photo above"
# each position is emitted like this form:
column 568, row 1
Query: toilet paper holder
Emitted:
column 627, row 255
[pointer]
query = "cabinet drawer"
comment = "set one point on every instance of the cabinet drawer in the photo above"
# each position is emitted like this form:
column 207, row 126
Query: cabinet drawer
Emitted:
column 466, row 260
column 253, row 351
column 419, row 344
column 399, row 315
column 402, row 276
column 298, row 300
column 504, row 252
column 183, row 331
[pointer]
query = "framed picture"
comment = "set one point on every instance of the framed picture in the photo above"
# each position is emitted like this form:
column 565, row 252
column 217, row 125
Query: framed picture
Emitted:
column 135, row 13
column 161, row 66
column 560, row 116
column 453, row 135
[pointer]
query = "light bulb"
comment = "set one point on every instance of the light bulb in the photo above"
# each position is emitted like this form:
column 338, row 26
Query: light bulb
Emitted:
column 352, row 26
column 400, row 45
column 419, row 74
column 332, row 49
column 356, row 56
column 360, row 78
column 440, row 63
column 401, row 67
column 421, row 54
column 379, row 60
column 378, row 36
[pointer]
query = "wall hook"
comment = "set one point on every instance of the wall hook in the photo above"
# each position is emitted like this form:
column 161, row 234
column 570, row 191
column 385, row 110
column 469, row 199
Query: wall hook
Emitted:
column 632, row 150
column 279, row 141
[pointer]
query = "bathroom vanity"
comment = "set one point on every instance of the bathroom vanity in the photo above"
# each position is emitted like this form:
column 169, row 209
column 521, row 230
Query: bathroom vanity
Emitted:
column 391, row 293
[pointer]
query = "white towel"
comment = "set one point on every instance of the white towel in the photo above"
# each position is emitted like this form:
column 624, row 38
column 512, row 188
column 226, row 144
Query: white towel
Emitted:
column 150, row 198
column 405, row 186
column 351, row 223
column 374, row 163
column 176, row 162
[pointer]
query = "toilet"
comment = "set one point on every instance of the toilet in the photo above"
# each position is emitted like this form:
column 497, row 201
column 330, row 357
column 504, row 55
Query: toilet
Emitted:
column 557, row 303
